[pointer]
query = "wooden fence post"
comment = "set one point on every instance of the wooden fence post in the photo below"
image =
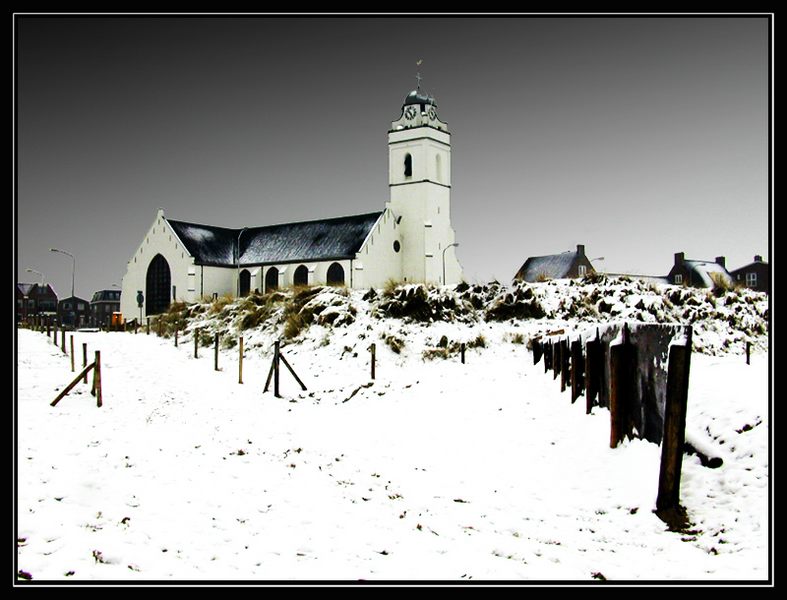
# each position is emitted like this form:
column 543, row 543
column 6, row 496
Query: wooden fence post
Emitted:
column 565, row 358
column 276, row 369
column 72, row 353
column 54, row 335
column 84, row 358
column 593, row 367
column 216, row 352
column 537, row 351
column 748, row 353
column 63, row 339
column 556, row 362
column 136, row 327
column 97, row 379
column 621, row 388
column 147, row 330
column 373, row 348
column 462, row 351
column 159, row 324
column 196, row 343
column 48, row 328
column 176, row 336
column 672, row 443
column 577, row 370
column 240, row 360
column 71, row 385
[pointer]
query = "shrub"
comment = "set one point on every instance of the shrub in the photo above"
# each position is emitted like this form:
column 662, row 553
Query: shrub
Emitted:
column 394, row 343
column 517, row 338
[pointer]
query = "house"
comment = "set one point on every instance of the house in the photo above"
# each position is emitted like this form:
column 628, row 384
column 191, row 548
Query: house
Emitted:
column 33, row 300
column 410, row 240
column 567, row 265
column 698, row 273
column 755, row 275
column 73, row 312
column 103, row 304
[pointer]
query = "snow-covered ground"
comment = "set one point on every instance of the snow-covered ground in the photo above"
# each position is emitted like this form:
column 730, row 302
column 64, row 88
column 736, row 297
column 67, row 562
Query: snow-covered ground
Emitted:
column 437, row 470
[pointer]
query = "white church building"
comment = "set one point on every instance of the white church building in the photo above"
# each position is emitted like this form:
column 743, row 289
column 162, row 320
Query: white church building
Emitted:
column 411, row 240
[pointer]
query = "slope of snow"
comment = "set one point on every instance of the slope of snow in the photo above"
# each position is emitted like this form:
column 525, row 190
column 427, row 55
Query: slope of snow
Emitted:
column 436, row 470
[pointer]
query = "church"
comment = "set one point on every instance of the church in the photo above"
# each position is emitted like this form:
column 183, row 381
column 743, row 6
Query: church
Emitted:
column 410, row 241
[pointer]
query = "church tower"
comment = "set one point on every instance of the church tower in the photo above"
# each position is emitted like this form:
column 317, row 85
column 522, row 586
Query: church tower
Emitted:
column 419, row 178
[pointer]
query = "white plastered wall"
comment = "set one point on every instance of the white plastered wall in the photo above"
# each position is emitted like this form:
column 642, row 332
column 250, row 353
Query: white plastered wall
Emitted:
column 377, row 261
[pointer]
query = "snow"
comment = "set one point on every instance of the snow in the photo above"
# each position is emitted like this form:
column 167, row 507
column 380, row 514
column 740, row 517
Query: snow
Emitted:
column 433, row 471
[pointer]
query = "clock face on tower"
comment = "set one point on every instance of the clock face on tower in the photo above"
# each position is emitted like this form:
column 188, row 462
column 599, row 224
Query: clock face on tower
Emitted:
column 432, row 114
column 409, row 113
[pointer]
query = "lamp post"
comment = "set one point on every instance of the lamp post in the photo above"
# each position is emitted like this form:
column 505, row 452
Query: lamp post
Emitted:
column 238, row 260
column 39, row 273
column 444, row 249
column 600, row 258
column 73, row 266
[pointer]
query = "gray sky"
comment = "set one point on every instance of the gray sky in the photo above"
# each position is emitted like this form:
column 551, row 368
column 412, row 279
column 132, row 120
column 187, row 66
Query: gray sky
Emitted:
column 638, row 137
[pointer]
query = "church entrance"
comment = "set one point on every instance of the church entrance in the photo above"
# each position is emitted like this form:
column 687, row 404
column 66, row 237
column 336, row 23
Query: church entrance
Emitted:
column 245, row 282
column 272, row 279
column 335, row 274
column 301, row 276
column 157, row 284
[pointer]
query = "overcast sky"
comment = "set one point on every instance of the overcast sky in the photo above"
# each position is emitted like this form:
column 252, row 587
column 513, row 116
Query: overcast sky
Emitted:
column 638, row 137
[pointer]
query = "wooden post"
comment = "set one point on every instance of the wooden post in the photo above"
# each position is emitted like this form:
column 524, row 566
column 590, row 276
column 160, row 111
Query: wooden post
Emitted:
column 621, row 388
column 547, row 356
column 240, row 360
column 748, row 353
column 136, row 327
column 556, row 362
column 97, row 379
column 72, row 353
column 462, row 351
column 577, row 370
column 294, row 374
column 196, row 343
column 216, row 353
column 537, row 351
column 565, row 359
column 147, row 330
column 71, row 385
column 54, row 335
column 176, row 336
column 84, row 358
column 63, row 339
column 48, row 328
column 674, row 426
column 159, row 324
column 593, row 368
column 276, row 369
column 372, row 348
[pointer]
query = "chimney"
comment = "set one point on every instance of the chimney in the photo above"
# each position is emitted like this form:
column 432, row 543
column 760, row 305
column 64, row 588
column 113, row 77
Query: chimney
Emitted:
column 757, row 258
column 679, row 258
column 721, row 261
column 581, row 249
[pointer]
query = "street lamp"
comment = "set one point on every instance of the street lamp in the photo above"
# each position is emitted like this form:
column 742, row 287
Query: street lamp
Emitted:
column 39, row 272
column 444, row 249
column 73, row 266
column 238, row 260
column 600, row 258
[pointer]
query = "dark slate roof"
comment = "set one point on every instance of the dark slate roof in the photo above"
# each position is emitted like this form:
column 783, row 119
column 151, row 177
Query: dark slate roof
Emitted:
column 418, row 97
column 705, row 269
column 553, row 266
column 324, row 239
column 25, row 288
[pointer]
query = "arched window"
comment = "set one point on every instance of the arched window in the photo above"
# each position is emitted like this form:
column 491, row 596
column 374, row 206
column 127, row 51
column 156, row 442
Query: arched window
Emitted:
column 157, row 286
column 245, row 282
column 335, row 274
column 301, row 276
column 408, row 165
column 272, row 279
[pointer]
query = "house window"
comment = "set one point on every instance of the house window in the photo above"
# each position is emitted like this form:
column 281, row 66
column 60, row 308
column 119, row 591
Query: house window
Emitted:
column 751, row 280
column 583, row 270
column 678, row 279
column 80, row 306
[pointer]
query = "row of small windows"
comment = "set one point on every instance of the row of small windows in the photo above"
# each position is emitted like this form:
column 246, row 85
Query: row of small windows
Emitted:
column 300, row 277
